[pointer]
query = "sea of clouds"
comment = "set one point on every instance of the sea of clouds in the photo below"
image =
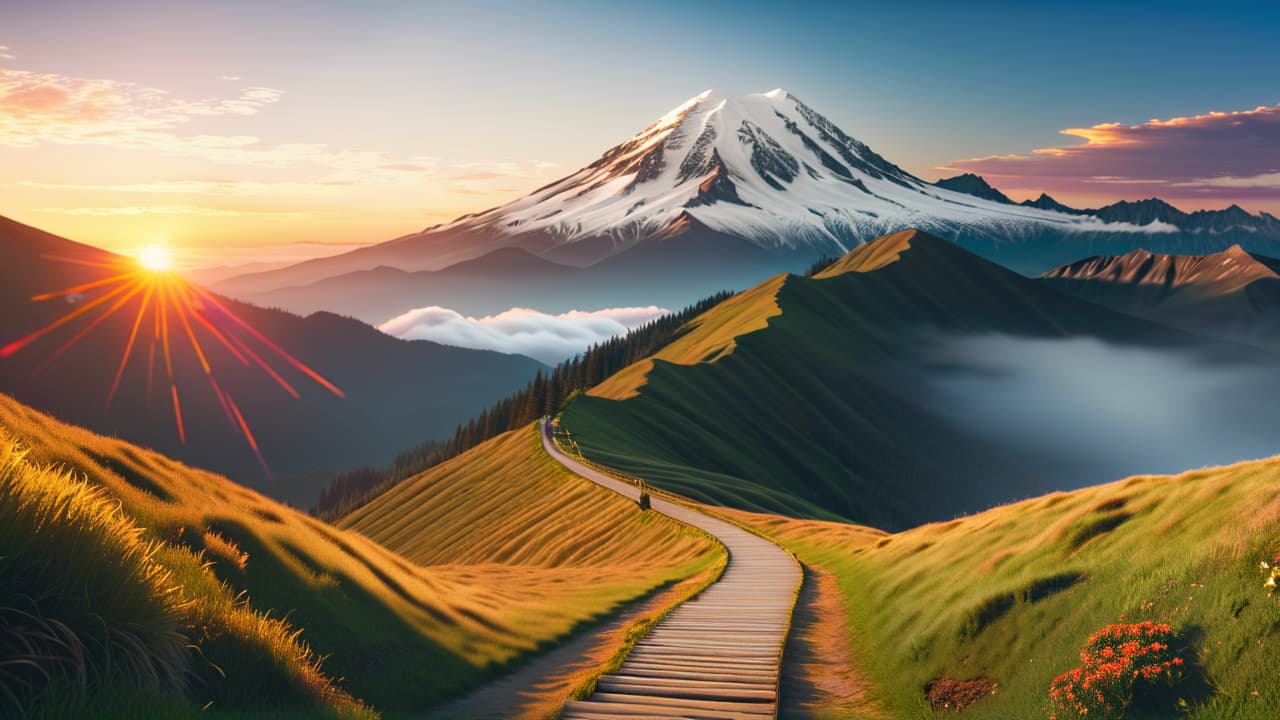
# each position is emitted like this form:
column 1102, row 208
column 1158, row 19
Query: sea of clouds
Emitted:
column 544, row 337
column 1088, row 411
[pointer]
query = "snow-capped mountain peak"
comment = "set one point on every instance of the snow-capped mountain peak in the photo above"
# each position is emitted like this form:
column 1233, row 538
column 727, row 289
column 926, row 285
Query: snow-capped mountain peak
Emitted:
column 763, row 167
column 759, row 182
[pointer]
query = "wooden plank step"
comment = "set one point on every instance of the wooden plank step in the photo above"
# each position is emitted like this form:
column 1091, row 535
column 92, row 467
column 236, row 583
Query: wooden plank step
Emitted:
column 620, row 711
column 716, row 656
column 730, row 692
column 674, row 666
column 646, row 707
column 686, row 703
column 668, row 657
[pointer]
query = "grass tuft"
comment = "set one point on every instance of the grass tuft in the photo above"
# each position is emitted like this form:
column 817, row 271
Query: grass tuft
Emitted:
column 82, row 599
column 271, row 613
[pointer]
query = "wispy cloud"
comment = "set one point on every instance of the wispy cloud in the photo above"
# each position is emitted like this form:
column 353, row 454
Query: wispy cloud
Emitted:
column 47, row 107
column 130, row 210
column 1266, row 182
column 40, row 107
column 549, row 338
column 236, row 188
column 231, row 161
column 1214, row 155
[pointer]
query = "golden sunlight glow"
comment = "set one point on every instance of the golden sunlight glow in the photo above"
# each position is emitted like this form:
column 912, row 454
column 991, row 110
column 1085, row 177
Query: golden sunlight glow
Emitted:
column 176, row 309
column 155, row 258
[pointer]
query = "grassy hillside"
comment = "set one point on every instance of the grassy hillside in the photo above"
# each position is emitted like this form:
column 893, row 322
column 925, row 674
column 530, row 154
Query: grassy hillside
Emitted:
column 544, row 395
column 508, row 502
column 175, row 557
column 1012, row 594
column 796, row 397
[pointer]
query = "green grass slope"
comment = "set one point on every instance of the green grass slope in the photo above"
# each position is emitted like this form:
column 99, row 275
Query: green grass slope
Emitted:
column 1011, row 594
column 789, row 398
column 134, row 586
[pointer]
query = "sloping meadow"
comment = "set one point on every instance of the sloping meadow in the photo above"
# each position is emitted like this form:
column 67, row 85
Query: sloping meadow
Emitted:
column 1005, row 600
column 139, row 583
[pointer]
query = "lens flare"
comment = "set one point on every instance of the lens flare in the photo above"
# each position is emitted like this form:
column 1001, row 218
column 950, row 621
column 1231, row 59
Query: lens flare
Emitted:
column 144, row 287
column 155, row 258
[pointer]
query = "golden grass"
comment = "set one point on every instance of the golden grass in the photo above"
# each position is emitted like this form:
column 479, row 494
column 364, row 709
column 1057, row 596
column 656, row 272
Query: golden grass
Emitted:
column 400, row 635
column 710, row 337
column 82, row 598
column 813, row 533
column 507, row 502
column 872, row 256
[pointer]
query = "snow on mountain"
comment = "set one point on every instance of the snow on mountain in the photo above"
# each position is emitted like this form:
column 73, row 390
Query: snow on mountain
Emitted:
column 763, row 167
column 741, row 186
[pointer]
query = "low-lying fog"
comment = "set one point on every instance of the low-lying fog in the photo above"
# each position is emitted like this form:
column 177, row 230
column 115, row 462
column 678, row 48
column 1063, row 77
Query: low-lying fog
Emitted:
column 1089, row 412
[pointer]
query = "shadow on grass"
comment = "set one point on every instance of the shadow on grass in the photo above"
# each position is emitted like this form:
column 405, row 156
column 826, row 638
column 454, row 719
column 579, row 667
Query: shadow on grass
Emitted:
column 1160, row 701
column 994, row 607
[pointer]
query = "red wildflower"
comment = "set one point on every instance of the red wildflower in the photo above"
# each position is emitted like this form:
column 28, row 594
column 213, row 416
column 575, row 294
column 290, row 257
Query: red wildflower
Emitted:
column 1112, row 660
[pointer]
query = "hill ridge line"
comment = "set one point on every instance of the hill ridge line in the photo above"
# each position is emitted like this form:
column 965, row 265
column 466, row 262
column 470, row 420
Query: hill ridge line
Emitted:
column 719, row 653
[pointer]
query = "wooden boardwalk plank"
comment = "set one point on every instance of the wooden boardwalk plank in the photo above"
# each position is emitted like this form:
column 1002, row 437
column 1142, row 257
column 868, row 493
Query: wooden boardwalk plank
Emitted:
column 716, row 656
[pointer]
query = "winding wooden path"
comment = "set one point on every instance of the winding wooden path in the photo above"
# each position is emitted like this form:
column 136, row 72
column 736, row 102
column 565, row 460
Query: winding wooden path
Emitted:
column 716, row 656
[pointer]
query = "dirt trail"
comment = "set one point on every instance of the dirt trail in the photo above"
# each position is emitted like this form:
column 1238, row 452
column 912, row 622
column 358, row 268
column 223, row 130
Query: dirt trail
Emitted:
column 819, row 678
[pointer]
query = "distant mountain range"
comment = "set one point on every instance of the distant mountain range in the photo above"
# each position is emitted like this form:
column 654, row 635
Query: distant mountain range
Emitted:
column 1232, row 221
column 859, row 392
column 1233, row 294
column 397, row 393
column 716, row 194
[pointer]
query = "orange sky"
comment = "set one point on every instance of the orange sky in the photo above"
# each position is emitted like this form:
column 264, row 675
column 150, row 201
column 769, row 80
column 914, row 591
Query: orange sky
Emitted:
column 239, row 132
column 124, row 166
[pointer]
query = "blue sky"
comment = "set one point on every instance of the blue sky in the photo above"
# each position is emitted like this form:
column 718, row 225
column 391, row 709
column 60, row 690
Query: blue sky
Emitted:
column 519, row 92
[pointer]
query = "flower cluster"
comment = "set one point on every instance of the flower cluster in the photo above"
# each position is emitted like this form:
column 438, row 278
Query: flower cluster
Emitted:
column 1273, row 576
column 1111, row 662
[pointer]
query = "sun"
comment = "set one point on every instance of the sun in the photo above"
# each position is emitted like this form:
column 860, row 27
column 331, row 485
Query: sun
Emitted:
column 155, row 258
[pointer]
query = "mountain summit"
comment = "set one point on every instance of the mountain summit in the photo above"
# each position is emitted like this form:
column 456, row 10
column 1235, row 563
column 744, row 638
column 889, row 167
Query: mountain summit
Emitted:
column 761, row 176
column 765, row 168
column 715, row 194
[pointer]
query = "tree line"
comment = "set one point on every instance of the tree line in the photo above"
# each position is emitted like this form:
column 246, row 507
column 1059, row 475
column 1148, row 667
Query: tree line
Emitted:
column 546, row 394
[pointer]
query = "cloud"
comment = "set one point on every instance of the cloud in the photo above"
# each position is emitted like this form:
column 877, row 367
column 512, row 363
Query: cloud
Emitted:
column 549, row 338
column 250, row 101
column 128, row 210
column 478, row 175
column 1085, row 411
column 37, row 108
column 422, row 167
column 1264, row 185
column 40, row 107
column 237, row 188
column 6, row 53
column 1210, row 156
